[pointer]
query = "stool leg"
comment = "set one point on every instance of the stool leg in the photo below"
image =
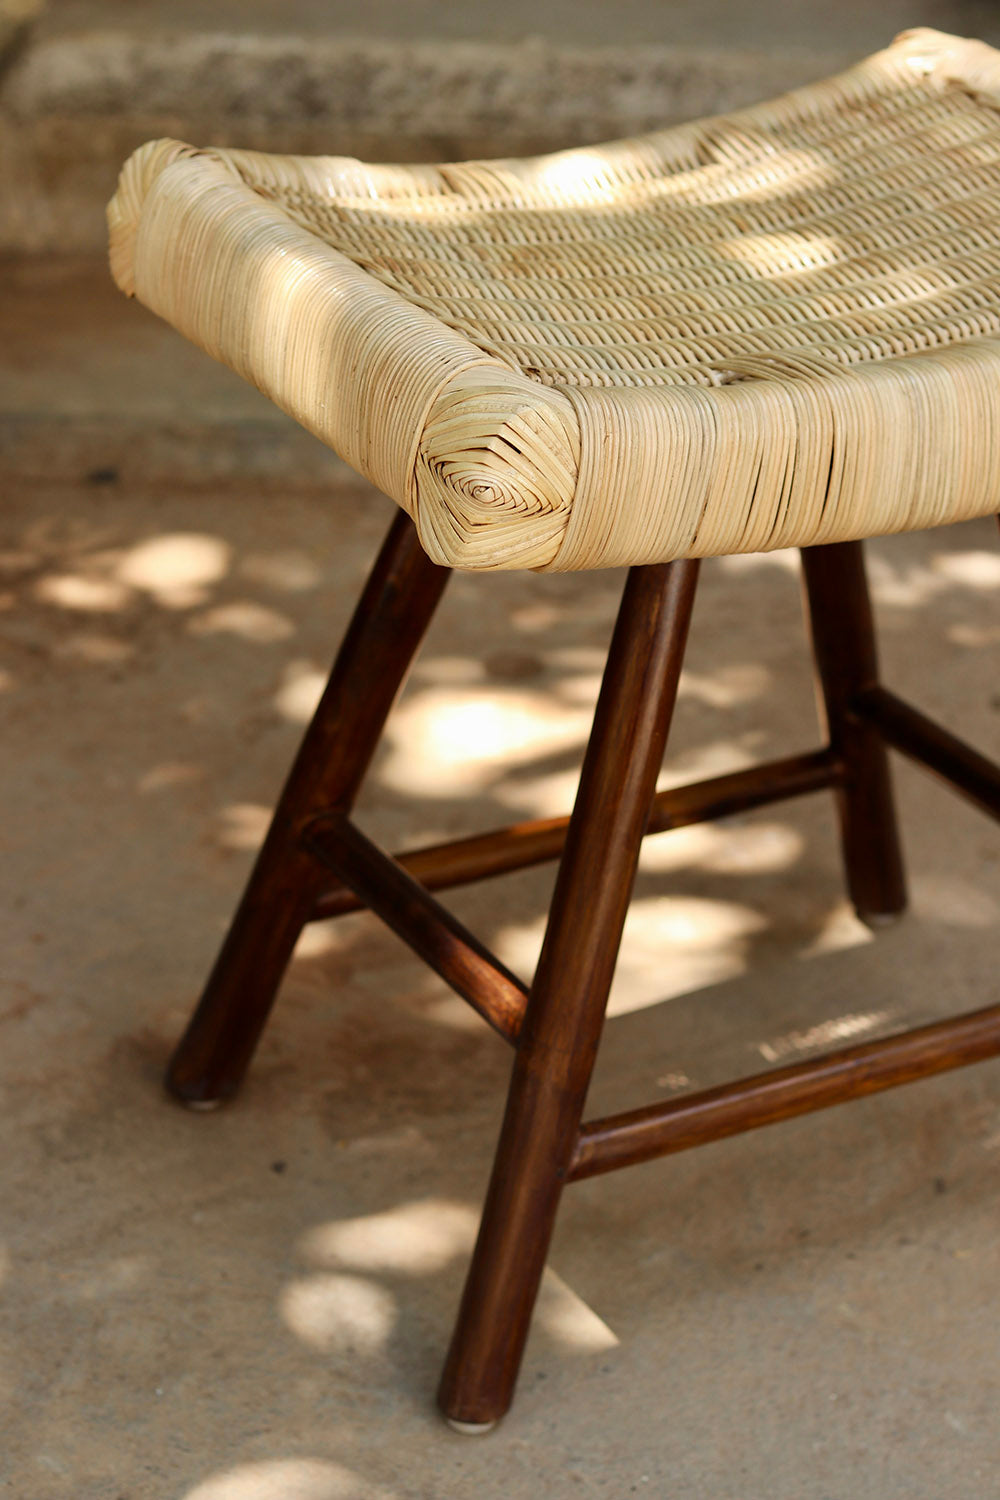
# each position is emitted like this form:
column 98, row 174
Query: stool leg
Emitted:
column 558, row 1044
column 388, row 625
column 843, row 639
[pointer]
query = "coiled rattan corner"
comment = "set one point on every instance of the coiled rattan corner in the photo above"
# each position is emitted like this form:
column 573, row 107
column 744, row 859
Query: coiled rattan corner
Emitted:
column 775, row 328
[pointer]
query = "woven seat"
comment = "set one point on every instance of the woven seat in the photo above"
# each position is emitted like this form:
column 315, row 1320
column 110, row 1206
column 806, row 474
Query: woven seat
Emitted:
column 774, row 328
column 777, row 328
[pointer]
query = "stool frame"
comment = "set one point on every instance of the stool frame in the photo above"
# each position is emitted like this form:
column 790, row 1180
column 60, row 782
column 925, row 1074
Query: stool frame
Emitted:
column 315, row 863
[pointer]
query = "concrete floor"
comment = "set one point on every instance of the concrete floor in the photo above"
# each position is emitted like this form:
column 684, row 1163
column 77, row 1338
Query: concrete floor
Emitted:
column 255, row 1303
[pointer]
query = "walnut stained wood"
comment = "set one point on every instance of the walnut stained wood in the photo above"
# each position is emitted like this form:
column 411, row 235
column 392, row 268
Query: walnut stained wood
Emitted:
column 555, row 1024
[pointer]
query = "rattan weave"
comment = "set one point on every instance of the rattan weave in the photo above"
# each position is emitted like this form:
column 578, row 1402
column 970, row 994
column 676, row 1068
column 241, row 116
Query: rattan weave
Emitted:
column 774, row 328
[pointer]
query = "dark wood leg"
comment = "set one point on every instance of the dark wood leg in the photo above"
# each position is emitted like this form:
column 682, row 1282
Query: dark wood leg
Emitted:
column 382, row 639
column 843, row 639
column 562, row 1026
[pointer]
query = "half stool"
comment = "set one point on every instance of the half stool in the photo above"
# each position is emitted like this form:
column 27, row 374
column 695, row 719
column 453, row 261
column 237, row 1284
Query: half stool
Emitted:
column 778, row 328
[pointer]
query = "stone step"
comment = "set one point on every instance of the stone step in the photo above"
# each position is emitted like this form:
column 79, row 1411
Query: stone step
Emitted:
column 387, row 81
column 391, row 80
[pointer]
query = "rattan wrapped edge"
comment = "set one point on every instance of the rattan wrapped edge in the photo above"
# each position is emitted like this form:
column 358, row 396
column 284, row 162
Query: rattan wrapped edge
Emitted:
column 499, row 471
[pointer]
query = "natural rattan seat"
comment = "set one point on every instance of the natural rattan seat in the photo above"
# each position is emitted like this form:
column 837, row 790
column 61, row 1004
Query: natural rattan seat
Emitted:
column 721, row 338
column 778, row 328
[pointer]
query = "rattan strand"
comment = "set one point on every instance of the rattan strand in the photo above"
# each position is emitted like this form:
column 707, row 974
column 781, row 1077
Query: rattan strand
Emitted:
column 775, row 328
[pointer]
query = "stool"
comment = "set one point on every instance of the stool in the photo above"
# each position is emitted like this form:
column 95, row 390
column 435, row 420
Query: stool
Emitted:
column 779, row 328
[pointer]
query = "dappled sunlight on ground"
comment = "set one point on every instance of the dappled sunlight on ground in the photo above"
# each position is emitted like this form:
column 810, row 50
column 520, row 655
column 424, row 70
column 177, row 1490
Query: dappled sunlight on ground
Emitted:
column 740, row 683
column 440, row 742
column 289, row 570
column 547, row 796
column 567, row 1319
column 736, row 848
column 671, row 945
column 712, row 758
column 494, row 729
column 413, row 1239
column 253, row 622
column 503, row 729
column 288, row 1479
column 298, row 1258
column 915, row 585
column 675, row 944
column 301, row 688
column 320, row 938
column 331, row 1309
column 243, row 825
column 974, row 570
column 78, row 592
column 170, row 773
column 974, row 636
column 177, row 571
column 345, row 1302
column 840, row 928
column 94, row 647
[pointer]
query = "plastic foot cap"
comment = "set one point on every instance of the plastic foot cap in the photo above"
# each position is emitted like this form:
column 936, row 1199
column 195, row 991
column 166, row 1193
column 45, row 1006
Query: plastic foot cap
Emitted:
column 470, row 1429
column 880, row 919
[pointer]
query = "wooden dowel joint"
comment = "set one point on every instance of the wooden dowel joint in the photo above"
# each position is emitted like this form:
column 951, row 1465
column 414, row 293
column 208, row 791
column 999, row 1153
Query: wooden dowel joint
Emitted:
column 911, row 732
column 433, row 933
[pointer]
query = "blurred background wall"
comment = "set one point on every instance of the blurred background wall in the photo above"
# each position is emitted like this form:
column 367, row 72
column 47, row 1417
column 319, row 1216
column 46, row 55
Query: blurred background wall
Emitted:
column 82, row 82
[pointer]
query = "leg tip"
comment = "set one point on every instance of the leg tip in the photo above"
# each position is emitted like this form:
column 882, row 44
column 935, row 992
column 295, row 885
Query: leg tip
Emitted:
column 194, row 1096
column 877, row 920
column 470, row 1429
column 200, row 1106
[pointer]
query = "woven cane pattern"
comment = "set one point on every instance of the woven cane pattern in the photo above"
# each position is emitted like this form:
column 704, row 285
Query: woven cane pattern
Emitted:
column 789, row 242
column 773, row 328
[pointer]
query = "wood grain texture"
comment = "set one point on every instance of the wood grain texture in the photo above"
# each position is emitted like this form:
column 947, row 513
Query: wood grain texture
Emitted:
column 781, row 1094
column 439, row 867
column 846, row 661
column 562, row 1026
column 386, row 630
column 433, row 933
column 957, row 764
